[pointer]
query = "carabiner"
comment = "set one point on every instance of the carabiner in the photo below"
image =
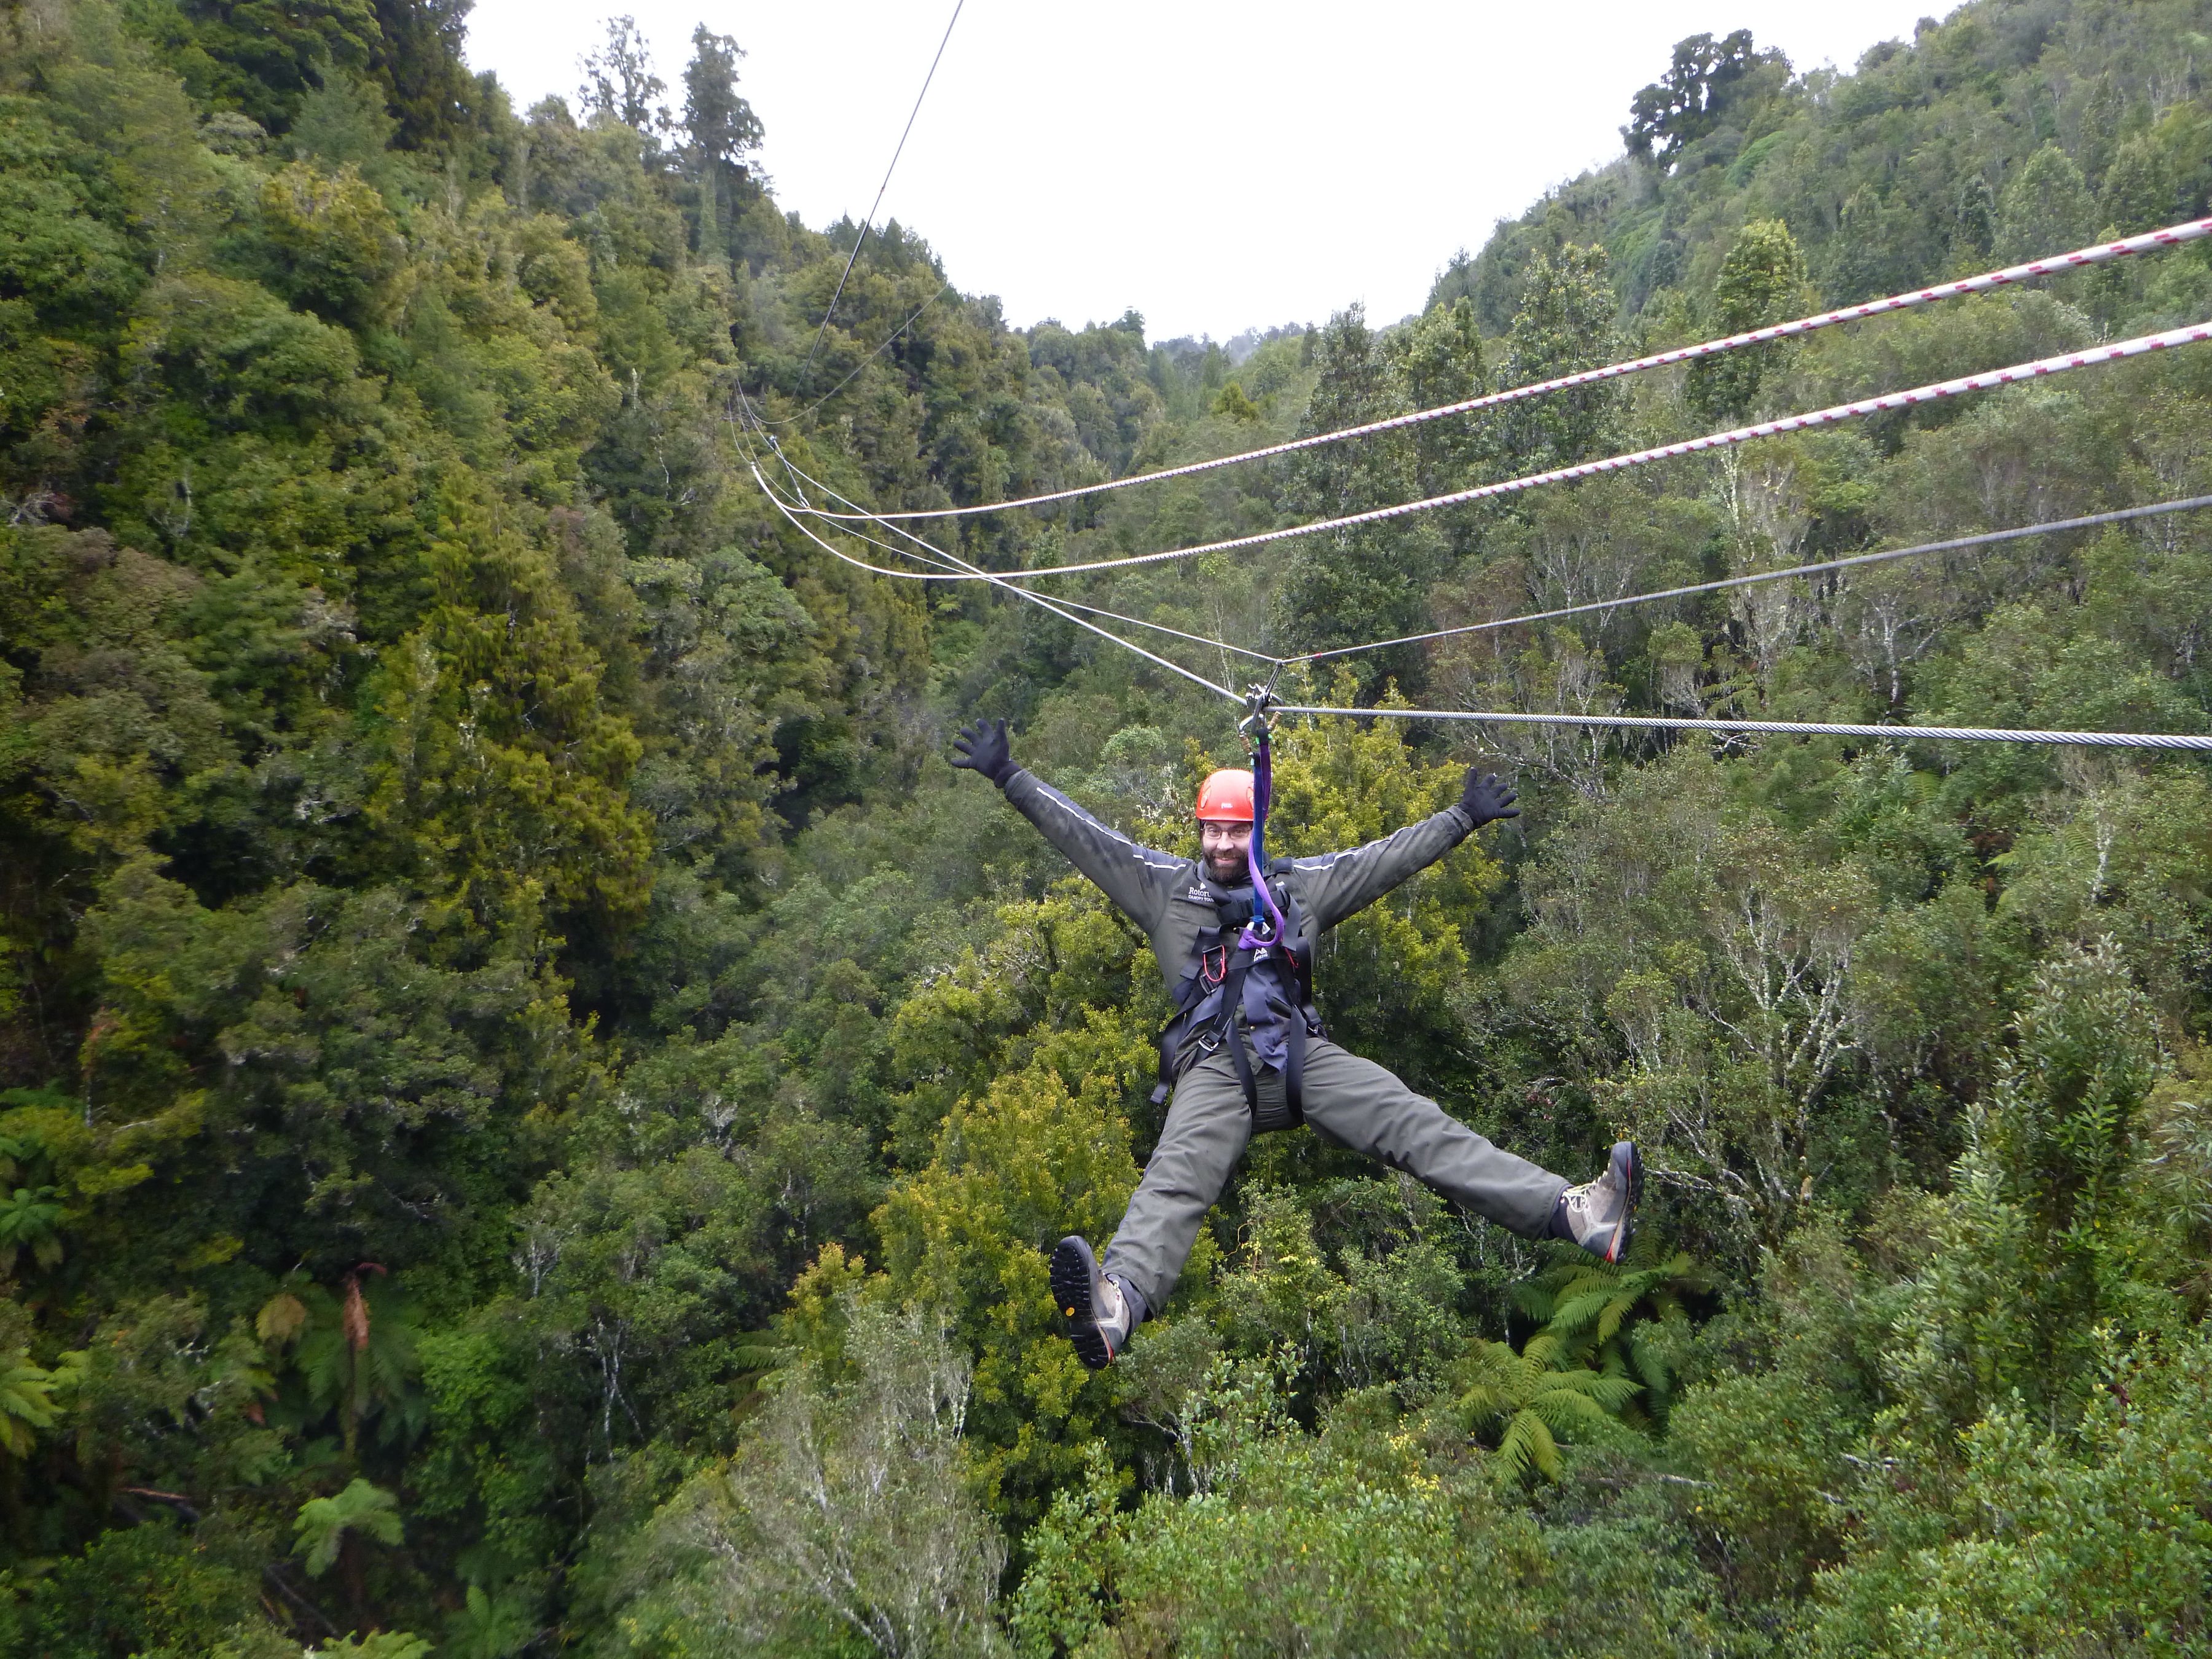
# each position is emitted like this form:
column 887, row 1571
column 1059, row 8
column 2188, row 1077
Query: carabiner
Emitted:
column 1260, row 703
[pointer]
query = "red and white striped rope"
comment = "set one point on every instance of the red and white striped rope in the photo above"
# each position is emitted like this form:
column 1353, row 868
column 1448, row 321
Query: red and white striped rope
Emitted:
column 1863, row 406
column 2101, row 253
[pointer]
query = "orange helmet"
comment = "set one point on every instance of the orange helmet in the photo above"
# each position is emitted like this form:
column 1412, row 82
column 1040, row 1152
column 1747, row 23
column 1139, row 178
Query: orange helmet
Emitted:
column 1225, row 797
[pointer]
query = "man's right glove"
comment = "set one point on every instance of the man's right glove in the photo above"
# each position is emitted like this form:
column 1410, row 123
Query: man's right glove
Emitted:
column 1487, row 798
column 983, row 748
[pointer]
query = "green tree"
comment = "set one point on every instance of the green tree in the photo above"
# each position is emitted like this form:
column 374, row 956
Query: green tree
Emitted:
column 2046, row 209
column 724, row 134
column 845, row 1515
column 325, row 1523
column 1565, row 325
column 1367, row 582
column 27, row 1401
column 620, row 85
column 1762, row 281
column 339, row 244
column 1343, row 1541
column 1619, row 1317
column 1529, row 1401
column 1704, row 79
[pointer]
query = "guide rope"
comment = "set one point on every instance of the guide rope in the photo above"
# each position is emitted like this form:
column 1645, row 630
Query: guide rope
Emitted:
column 2097, row 254
column 1863, row 406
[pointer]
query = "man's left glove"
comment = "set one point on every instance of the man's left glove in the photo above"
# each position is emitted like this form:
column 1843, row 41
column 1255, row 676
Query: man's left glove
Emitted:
column 1487, row 798
column 983, row 748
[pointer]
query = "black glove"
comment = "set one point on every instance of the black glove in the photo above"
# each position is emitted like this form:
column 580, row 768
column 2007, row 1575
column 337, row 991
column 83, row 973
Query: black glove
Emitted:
column 983, row 749
column 1487, row 797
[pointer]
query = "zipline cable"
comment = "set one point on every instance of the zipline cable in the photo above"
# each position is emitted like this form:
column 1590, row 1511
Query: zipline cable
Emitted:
column 1205, row 640
column 1038, row 598
column 934, row 554
column 2153, row 740
column 2100, row 254
column 1956, row 543
column 1965, row 383
column 937, row 555
column 853, row 257
column 1795, row 728
column 1064, row 615
column 2055, row 527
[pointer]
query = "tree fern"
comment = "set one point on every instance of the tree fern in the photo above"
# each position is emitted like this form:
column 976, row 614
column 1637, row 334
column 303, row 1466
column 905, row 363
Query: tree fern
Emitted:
column 28, row 1220
column 27, row 1401
column 355, row 1352
column 323, row 1523
column 1597, row 1313
column 1530, row 1403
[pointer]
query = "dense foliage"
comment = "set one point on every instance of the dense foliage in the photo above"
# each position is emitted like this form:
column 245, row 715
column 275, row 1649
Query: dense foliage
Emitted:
column 531, row 1099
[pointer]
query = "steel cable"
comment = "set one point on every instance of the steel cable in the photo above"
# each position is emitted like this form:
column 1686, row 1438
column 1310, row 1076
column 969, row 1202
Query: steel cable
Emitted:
column 1956, row 543
column 904, row 134
column 1799, row 728
column 2152, row 740
column 781, row 506
column 933, row 554
column 2100, row 254
column 1064, row 615
column 2090, row 521
column 883, row 346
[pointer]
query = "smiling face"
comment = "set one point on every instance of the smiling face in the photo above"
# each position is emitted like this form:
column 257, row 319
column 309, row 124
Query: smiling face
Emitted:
column 1225, row 850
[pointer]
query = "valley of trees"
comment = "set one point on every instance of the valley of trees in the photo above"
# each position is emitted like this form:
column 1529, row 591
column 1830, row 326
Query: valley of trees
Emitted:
column 532, row 1099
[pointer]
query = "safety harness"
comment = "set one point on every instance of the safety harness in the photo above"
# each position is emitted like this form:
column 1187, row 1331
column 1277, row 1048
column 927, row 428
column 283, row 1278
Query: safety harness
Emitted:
column 1255, row 927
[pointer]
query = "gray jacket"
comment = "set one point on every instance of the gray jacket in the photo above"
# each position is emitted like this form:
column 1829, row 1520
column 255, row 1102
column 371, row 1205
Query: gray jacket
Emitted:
column 1166, row 895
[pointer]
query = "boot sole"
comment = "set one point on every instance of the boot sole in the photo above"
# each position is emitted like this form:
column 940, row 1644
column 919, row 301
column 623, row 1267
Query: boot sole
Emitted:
column 1627, row 1168
column 1075, row 1293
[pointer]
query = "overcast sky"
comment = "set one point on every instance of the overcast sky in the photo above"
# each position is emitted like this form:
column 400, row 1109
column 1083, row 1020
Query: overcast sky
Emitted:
column 1216, row 165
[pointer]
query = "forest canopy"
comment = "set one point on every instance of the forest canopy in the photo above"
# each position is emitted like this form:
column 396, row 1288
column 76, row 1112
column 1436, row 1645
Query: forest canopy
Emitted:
column 532, row 1099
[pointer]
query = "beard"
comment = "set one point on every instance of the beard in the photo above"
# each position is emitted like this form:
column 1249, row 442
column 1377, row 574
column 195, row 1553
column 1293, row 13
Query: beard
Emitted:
column 1227, row 869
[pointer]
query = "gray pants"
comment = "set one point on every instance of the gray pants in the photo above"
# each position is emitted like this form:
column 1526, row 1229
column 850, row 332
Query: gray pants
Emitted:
column 1349, row 1100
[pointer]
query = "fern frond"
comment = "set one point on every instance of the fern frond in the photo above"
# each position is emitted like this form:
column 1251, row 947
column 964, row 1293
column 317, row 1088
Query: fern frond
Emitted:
column 1610, row 1320
column 1535, row 1298
column 1650, row 1364
column 1574, row 1312
column 1544, row 1350
column 1529, row 1447
column 1568, row 1415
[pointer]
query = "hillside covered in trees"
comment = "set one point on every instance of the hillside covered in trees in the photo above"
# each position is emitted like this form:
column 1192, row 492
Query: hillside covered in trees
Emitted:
column 532, row 1099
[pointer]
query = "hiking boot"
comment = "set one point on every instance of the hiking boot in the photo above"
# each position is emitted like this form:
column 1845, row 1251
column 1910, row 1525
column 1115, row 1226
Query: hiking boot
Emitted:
column 1100, row 1309
column 1600, row 1215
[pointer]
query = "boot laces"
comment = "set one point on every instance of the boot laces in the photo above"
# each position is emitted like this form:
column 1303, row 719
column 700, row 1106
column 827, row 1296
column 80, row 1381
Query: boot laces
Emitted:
column 1593, row 1205
column 1112, row 1312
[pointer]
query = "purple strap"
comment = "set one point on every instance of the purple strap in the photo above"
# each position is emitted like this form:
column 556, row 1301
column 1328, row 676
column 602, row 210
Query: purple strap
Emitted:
column 1263, row 790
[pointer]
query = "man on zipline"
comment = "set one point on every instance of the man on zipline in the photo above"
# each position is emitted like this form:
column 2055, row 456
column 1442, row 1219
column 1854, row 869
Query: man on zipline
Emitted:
column 1246, row 1053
